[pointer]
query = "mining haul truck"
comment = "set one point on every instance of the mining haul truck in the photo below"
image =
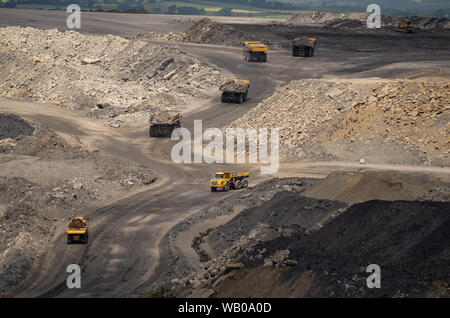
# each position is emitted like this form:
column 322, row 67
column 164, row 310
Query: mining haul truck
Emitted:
column 164, row 123
column 255, row 51
column 303, row 46
column 234, row 90
column 406, row 26
column 77, row 231
column 226, row 181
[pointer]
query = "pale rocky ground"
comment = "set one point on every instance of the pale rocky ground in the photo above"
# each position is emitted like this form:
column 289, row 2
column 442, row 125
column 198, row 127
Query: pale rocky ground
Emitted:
column 381, row 121
column 128, row 79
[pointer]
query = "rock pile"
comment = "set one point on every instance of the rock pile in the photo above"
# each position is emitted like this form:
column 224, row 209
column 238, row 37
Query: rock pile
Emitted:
column 44, row 180
column 413, row 113
column 80, row 71
column 379, row 120
column 207, row 31
column 358, row 20
column 301, row 106
column 12, row 126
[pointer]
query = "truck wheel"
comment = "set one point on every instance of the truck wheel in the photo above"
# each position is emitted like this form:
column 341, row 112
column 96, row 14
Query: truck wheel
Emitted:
column 245, row 184
column 224, row 97
column 245, row 97
column 213, row 189
column 226, row 188
column 238, row 185
column 240, row 98
column 69, row 241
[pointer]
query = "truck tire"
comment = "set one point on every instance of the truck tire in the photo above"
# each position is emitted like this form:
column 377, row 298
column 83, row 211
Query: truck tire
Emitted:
column 213, row 189
column 224, row 97
column 238, row 185
column 69, row 241
column 226, row 188
column 245, row 97
column 308, row 52
column 240, row 98
column 294, row 51
column 244, row 183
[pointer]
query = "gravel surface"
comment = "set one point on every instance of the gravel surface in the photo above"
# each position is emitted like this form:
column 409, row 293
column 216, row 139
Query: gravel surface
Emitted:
column 44, row 180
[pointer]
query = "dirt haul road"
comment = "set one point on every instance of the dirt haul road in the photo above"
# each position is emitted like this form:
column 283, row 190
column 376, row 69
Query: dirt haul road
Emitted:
column 125, row 236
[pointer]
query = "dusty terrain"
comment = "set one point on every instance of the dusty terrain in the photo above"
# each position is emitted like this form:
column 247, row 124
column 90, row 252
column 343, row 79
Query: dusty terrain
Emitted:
column 46, row 179
column 174, row 233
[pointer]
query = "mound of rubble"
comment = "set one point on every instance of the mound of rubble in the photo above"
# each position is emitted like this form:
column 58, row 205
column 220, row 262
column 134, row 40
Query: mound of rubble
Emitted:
column 381, row 121
column 328, row 255
column 206, row 31
column 313, row 17
column 12, row 126
column 356, row 187
column 358, row 20
column 82, row 71
column 180, row 270
column 411, row 113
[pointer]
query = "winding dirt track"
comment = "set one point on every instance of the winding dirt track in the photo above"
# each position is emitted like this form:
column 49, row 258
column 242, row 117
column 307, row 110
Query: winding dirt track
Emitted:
column 125, row 237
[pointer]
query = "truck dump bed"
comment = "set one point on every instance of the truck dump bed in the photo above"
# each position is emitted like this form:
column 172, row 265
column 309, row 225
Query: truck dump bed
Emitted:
column 256, row 46
column 235, row 86
column 166, row 117
column 76, row 226
column 303, row 42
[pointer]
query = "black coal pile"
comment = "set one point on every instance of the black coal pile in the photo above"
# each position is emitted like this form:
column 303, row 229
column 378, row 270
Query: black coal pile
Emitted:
column 410, row 241
column 285, row 210
column 209, row 32
column 12, row 126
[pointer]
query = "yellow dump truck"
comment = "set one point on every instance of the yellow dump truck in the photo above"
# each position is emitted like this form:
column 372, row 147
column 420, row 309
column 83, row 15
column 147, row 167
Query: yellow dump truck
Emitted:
column 255, row 51
column 406, row 26
column 164, row 123
column 303, row 45
column 235, row 90
column 227, row 180
column 77, row 231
